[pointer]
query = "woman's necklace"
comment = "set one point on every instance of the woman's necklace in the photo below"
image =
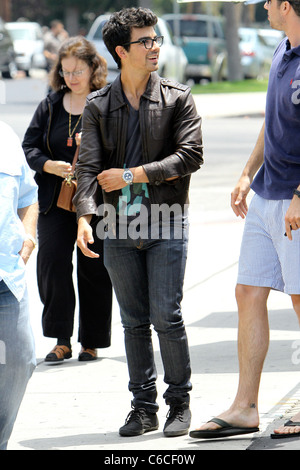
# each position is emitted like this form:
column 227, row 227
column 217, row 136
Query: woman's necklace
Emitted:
column 71, row 132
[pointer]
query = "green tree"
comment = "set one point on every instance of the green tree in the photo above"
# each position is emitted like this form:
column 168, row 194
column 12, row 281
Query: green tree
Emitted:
column 78, row 13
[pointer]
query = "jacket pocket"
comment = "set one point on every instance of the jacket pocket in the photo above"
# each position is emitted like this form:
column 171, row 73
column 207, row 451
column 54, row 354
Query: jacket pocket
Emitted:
column 109, row 132
column 161, row 123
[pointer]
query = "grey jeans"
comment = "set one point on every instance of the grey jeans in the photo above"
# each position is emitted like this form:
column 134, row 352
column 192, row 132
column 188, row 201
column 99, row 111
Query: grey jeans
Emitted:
column 17, row 358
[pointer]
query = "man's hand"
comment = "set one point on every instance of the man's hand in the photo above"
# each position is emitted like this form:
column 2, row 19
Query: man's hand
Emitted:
column 111, row 180
column 28, row 215
column 239, row 195
column 27, row 249
column 292, row 217
column 85, row 236
column 240, row 192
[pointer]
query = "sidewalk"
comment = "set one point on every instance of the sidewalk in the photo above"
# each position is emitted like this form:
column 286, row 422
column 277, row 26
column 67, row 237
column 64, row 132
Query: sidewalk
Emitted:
column 80, row 406
column 77, row 406
column 231, row 104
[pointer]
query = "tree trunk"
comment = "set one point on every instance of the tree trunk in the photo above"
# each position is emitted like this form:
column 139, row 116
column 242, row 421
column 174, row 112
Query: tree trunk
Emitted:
column 232, row 39
column 146, row 4
column 72, row 20
column 5, row 10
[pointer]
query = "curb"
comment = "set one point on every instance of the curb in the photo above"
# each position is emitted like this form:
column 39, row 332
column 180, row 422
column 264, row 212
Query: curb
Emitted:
column 289, row 407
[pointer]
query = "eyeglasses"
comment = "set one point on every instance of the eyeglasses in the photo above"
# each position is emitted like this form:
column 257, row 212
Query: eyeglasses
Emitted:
column 148, row 42
column 77, row 73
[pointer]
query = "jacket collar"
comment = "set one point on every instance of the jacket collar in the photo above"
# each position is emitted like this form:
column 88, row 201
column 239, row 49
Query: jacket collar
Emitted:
column 55, row 96
column 151, row 93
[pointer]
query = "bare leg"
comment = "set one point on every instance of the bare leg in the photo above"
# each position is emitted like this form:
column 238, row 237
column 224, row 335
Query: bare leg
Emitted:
column 253, row 343
column 296, row 305
column 296, row 418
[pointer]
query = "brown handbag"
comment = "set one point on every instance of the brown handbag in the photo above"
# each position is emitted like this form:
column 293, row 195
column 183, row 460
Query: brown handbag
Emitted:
column 68, row 188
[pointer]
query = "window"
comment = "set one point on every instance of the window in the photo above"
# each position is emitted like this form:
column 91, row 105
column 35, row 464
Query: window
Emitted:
column 98, row 33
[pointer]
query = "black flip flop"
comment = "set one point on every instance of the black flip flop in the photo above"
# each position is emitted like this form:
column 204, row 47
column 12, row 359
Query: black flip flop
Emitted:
column 287, row 436
column 226, row 430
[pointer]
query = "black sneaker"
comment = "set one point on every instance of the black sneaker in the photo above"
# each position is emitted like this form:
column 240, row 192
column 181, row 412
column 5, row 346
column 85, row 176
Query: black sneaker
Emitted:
column 138, row 422
column 178, row 420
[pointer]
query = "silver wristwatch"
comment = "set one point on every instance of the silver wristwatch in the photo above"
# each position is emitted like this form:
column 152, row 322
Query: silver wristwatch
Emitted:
column 128, row 176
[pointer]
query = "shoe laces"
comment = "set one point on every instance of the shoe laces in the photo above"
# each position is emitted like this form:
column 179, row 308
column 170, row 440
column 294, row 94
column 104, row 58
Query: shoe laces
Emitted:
column 136, row 414
column 175, row 412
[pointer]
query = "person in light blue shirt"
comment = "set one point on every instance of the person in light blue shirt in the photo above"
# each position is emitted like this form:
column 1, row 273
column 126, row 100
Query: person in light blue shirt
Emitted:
column 18, row 219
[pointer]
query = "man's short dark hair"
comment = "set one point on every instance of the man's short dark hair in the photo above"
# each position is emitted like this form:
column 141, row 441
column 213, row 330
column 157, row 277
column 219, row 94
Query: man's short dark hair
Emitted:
column 117, row 31
column 296, row 5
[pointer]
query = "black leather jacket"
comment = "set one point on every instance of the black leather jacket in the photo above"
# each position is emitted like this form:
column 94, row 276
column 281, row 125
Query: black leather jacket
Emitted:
column 171, row 142
column 37, row 150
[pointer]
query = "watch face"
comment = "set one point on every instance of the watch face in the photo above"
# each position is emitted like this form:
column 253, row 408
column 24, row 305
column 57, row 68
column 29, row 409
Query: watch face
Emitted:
column 128, row 176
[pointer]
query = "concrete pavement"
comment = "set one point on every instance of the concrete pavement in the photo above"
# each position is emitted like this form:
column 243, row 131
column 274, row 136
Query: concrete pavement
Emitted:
column 231, row 104
column 80, row 406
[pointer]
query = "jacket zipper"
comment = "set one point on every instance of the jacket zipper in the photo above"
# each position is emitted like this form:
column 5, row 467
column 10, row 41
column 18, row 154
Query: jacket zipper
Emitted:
column 145, row 158
column 121, row 159
column 48, row 145
column 48, row 131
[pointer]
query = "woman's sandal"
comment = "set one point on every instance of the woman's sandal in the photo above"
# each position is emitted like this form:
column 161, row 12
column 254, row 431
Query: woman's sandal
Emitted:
column 87, row 354
column 59, row 354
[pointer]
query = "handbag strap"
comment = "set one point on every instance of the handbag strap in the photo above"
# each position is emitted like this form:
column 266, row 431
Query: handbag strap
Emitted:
column 75, row 159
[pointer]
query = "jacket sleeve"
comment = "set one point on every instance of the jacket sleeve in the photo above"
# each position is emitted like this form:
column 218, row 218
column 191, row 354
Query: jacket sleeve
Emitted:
column 33, row 143
column 89, row 194
column 187, row 135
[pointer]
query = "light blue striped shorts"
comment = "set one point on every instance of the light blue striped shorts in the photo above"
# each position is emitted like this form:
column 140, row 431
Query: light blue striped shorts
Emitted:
column 267, row 257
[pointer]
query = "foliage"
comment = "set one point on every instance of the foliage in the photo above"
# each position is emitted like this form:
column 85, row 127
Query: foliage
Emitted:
column 34, row 10
column 44, row 11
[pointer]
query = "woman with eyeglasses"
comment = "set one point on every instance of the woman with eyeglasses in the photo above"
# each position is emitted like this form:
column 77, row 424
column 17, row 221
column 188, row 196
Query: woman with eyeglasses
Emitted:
column 49, row 144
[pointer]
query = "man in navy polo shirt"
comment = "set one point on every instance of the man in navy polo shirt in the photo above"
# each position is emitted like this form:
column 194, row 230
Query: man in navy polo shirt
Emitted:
column 270, row 251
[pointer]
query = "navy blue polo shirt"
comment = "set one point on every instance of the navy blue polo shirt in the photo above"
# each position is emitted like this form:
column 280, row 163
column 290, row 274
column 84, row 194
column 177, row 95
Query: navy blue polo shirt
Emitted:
column 280, row 173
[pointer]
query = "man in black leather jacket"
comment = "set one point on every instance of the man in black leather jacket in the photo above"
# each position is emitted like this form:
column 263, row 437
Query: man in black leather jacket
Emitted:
column 141, row 141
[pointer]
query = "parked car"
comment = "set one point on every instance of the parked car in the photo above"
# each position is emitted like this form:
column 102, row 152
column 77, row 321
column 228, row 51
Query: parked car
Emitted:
column 203, row 41
column 272, row 37
column 172, row 61
column 28, row 44
column 257, row 47
column 8, row 66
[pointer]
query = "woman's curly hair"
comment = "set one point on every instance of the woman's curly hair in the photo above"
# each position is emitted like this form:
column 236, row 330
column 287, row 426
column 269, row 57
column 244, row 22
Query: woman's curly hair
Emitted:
column 84, row 50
